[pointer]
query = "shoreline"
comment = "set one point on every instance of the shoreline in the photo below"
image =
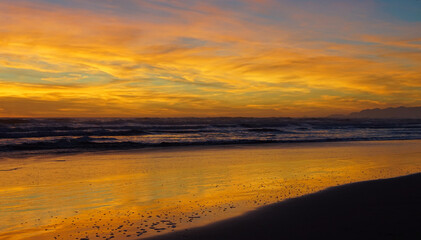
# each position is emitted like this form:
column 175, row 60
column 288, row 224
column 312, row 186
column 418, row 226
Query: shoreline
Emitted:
column 376, row 209
column 187, row 147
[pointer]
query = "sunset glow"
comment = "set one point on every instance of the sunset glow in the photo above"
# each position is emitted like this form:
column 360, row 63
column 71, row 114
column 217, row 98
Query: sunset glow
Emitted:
column 140, row 58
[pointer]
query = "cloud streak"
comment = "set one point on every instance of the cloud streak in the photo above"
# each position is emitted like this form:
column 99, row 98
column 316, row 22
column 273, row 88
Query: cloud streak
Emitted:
column 231, row 58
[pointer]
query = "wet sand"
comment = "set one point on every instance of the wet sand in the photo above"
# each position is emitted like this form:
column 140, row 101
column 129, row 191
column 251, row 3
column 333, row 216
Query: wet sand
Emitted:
column 141, row 194
column 379, row 209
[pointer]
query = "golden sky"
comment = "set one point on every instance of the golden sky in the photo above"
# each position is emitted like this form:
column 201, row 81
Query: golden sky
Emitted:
column 165, row 58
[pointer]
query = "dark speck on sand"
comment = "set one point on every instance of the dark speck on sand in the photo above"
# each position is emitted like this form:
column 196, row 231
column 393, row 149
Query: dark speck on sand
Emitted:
column 379, row 209
column 8, row 170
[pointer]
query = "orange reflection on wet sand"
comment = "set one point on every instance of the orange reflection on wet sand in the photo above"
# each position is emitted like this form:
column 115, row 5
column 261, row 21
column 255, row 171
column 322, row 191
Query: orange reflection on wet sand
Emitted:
column 147, row 192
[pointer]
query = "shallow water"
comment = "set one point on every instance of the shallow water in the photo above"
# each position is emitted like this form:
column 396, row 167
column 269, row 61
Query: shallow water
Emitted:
column 134, row 194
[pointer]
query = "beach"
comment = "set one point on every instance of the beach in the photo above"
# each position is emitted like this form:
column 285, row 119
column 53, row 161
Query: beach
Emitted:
column 147, row 193
column 378, row 209
column 223, row 119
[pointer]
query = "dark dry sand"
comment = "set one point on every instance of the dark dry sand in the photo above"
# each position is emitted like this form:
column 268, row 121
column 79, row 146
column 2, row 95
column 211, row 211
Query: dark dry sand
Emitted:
column 379, row 209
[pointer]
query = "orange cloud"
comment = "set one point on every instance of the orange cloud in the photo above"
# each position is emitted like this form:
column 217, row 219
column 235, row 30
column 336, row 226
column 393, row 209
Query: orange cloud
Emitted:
column 179, row 59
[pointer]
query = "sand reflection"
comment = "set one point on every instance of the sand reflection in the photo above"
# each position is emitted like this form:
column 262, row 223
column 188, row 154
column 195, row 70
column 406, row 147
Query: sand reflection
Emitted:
column 148, row 192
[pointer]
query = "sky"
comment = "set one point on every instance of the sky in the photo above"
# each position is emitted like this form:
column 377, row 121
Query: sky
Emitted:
column 167, row 58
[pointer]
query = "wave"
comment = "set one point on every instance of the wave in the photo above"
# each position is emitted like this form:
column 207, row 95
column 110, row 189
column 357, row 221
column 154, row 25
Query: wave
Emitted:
column 109, row 133
column 84, row 144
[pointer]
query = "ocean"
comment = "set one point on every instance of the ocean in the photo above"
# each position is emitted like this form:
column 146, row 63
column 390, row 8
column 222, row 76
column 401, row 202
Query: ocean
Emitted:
column 87, row 134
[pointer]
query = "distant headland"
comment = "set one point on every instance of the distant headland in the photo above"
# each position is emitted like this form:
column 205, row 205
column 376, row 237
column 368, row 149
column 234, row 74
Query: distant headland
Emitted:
column 395, row 113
